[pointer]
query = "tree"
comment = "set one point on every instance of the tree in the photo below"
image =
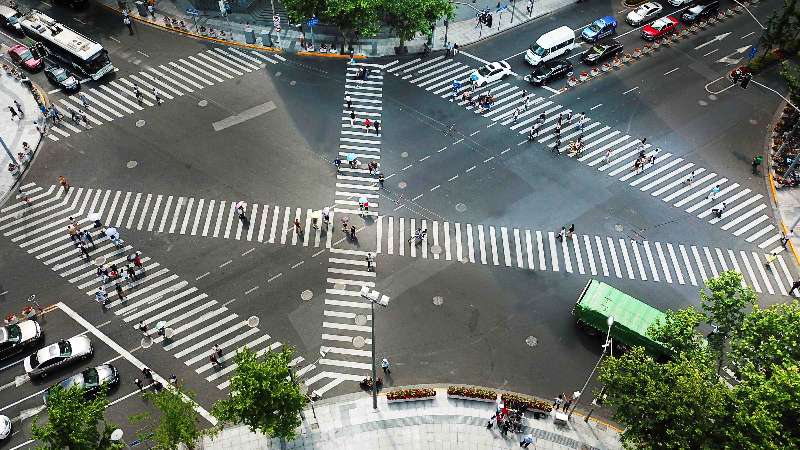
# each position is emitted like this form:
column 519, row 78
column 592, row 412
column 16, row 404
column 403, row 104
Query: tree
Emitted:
column 768, row 337
column 724, row 308
column 263, row 394
column 177, row 423
column 409, row 17
column 679, row 330
column 74, row 422
column 355, row 18
column 301, row 10
column 791, row 75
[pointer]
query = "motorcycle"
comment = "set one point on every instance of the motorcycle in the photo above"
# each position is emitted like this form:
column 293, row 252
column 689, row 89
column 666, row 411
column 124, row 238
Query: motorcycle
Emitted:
column 366, row 383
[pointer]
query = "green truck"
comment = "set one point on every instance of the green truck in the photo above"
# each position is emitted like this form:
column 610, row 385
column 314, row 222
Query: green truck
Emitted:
column 632, row 318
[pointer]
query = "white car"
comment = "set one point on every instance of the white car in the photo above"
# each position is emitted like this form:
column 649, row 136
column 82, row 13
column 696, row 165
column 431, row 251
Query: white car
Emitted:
column 490, row 73
column 643, row 13
column 5, row 427
column 58, row 354
column 680, row 2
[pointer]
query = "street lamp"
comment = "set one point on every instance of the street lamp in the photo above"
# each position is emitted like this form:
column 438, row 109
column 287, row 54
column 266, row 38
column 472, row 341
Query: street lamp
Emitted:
column 606, row 345
column 374, row 297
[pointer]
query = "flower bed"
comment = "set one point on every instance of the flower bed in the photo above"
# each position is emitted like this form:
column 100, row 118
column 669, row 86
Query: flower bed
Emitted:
column 471, row 393
column 527, row 403
column 410, row 395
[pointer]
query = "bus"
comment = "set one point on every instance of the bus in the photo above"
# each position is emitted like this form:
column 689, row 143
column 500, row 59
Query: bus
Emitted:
column 75, row 50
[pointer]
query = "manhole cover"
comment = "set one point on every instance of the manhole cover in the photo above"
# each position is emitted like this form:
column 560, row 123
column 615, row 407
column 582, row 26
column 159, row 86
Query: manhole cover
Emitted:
column 306, row 295
column 404, row 154
column 464, row 260
column 702, row 103
column 436, row 249
column 361, row 319
column 338, row 286
column 140, row 123
column 252, row 321
column 277, row 74
column 147, row 342
column 460, row 207
column 100, row 260
column 619, row 227
column 402, row 185
column 292, row 83
column 531, row 341
column 438, row 300
column 202, row 103
column 132, row 164
column 712, row 97
column 359, row 342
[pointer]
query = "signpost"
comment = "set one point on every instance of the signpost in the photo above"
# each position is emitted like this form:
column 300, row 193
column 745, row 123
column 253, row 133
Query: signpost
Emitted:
column 752, row 53
column 311, row 22
column 194, row 13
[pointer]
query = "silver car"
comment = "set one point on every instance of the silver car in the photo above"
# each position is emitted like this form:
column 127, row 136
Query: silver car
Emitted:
column 57, row 355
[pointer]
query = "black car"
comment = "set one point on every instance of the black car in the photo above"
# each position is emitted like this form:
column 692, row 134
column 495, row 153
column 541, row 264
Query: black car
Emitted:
column 549, row 71
column 62, row 78
column 601, row 51
column 701, row 11
column 9, row 19
column 90, row 380
column 16, row 338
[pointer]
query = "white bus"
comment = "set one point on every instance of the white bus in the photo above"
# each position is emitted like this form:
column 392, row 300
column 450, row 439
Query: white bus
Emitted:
column 78, row 51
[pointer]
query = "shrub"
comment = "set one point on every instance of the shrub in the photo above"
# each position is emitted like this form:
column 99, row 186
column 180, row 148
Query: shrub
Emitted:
column 405, row 394
column 515, row 401
column 472, row 392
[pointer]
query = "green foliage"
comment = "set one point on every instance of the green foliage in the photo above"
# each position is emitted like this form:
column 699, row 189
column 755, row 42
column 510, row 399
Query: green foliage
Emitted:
column 679, row 330
column 301, row 10
column 409, row 17
column 263, row 394
column 74, row 422
column 353, row 17
column 768, row 337
column 177, row 423
column 791, row 74
column 724, row 308
column 782, row 28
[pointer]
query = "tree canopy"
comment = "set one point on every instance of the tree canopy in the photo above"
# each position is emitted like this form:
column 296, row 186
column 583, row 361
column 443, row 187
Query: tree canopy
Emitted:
column 177, row 423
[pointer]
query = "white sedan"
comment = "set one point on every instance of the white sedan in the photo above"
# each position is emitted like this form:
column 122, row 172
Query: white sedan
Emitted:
column 57, row 355
column 490, row 73
column 643, row 13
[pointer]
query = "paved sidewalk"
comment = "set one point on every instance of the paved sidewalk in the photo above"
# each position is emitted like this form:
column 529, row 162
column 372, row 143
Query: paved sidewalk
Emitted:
column 785, row 201
column 463, row 32
column 15, row 131
column 349, row 422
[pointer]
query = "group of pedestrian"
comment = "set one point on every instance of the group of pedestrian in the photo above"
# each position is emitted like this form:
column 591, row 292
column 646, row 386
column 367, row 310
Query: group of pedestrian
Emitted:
column 642, row 159
column 563, row 401
column 451, row 50
column 348, row 229
column 18, row 112
column 565, row 232
column 419, row 236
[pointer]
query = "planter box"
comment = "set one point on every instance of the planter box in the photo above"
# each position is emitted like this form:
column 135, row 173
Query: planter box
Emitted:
column 401, row 400
column 477, row 399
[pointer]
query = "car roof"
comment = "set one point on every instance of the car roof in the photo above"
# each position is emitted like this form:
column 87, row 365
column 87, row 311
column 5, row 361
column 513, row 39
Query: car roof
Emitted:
column 606, row 19
column 649, row 5
column 7, row 11
column 664, row 21
column 19, row 48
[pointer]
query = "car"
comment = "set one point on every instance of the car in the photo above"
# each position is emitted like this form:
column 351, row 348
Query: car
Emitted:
column 16, row 338
column 490, row 73
column 600, row 28
column 59, row 354
column 22, row 56
column 643, row 13
column 5, row 427
column 659, row 28
column 62, row 78
column 700, row 12
column 90, row 380
column 9, row 19
column 680, row 2
column 601, row 51
column 549, row 71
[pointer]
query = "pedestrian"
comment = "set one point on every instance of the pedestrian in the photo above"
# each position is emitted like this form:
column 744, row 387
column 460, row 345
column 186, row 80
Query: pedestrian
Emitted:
column 353, row 232
column 148, row 374
column 377, row 126
column 84, row 119
column 297, row 227
column 137, row 93
column 141, row 326
column 138, row 383
column 130, row 277
column 795, row 285
column 557, row 146
column 560, row 120
column 151, row 9
column 63, row 182
column 241, row 214
column 526, row 440
column 84, row 250
column 137, row 260
column 713, row 193
column 367, row 124
column 120, row 293
column 173, row 379
column 381, row 179
column 87, row 238
column 19, row 109
column 455, row 48
column 718, row 210
column 349, row 102
column 84, row 99
column 526, row 100
column 100, row 295
column 416, row 235
column 385, row 366
column 770, row 259
column 561, row 233
column 157, row 95
column 13, row 112
column 24, row 197
column 352, row 118
column 569, row 116
column 607, row 157
column 529, row 7
column 370, row 260
column 352, row 56
column 571, row 230
column 757, row 162
column 516, row 115
column 558, row 401
column 127, row 21
column 73, row 233
column 690, row 179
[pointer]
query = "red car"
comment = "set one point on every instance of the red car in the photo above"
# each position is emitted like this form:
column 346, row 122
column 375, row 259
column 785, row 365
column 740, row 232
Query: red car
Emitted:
column 659, row 28
column 22, row 56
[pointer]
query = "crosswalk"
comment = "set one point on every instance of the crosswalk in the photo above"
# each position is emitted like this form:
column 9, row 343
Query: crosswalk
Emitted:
column 198, row 321
column 116, row 99
column 672, row 178
column 355, row 184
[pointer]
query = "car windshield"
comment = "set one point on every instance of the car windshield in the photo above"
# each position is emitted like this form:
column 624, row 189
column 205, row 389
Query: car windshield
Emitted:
column 91, row 377
column 26, row 55
column 12, row 333
column 595, row 27
column 599, row 49
column 538, row 51
column 98, row 61
column 65, row 348
column 695, row 9
column 60, row 74
column 34, row 359
column 484, row 71
column 75, row 380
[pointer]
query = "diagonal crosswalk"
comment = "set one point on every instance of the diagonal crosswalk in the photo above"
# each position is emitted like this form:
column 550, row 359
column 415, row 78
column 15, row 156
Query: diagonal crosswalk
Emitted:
column 116, row 100
column 672, row 178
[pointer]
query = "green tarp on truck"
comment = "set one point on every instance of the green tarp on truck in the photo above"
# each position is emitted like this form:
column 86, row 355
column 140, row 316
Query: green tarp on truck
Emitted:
column 632, row 317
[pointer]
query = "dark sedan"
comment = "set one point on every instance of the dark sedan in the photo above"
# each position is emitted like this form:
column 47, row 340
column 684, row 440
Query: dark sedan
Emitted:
column 62, row 78
column 602, row 51
column 549, row 71
column 90, row 380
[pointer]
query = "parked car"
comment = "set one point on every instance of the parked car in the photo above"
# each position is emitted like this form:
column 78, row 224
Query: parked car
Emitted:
column 600, row 28
column 9, row 19
column 62, row 78
column 659, row 28
column 22, row 56
column 490, row 73
column 59, row 354
column 5, row 427
column 18, row 337
column 643, row 13
column 601, row 51
column 549, row 71
column 700, row 12
column 680, row 2
column 90, row 380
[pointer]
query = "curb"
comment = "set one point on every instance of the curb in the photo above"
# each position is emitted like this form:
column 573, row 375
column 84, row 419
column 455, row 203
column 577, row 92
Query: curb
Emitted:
column 330, row 55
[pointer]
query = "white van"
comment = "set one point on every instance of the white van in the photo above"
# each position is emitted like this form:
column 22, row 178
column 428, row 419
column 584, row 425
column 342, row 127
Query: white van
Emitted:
column 551, row 45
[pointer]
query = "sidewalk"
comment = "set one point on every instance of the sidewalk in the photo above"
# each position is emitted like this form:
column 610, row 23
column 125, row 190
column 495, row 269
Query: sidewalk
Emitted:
column 349, row 422
column 462, row 32
column 16, row 131
column 786, row 202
